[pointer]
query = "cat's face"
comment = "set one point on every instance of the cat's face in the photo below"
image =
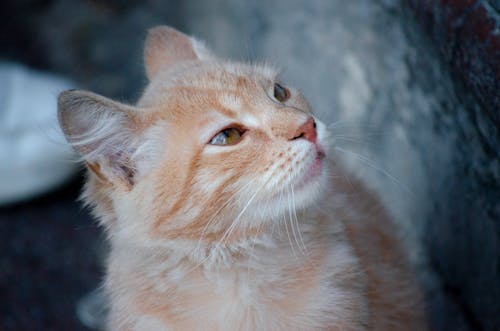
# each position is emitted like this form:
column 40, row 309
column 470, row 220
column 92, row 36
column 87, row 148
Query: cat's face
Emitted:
column 214, row 149
column 236, row 146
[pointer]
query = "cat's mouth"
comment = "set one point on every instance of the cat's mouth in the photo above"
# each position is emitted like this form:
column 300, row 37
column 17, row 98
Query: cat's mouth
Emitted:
column 314, row 170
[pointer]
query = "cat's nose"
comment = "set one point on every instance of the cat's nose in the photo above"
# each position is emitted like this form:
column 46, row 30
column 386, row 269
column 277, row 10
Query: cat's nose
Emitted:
column 307, row 131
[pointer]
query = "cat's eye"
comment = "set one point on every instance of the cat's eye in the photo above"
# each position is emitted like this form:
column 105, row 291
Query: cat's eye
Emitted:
column 229, row 136
column 281, row 93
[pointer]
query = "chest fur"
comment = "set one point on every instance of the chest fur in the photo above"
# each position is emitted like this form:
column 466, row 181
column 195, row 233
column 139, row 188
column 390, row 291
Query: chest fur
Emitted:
column 270, row 289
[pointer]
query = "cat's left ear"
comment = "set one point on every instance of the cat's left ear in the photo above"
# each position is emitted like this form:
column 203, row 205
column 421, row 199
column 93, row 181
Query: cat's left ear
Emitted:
column 166, row 47
column 104, row 132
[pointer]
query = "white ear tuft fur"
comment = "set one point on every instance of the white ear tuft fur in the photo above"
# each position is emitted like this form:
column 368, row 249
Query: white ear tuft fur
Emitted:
column 166, row 47
column 102, row 131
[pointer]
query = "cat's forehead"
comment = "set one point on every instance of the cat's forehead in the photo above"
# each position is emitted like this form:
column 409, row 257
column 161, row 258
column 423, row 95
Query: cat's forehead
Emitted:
column 198, row 78
column 225, row 76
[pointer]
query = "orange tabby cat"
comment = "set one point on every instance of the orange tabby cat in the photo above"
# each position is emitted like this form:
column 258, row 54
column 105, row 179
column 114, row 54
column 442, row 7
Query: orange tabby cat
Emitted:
column 224, row 210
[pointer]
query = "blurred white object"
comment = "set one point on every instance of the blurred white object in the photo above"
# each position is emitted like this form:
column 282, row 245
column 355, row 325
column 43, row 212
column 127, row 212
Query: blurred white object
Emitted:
column 92, row 310
column 33, row 152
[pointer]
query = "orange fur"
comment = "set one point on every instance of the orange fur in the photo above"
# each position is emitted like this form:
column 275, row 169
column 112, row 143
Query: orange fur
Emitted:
column 265, row 234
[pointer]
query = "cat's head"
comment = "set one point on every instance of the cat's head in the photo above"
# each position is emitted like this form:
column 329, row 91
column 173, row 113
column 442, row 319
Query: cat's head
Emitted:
column 212, row 149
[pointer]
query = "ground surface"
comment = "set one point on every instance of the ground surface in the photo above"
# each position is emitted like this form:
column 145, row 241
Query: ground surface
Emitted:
column 50, row 257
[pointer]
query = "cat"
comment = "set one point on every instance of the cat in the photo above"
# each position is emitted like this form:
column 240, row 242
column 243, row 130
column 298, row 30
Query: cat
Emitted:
column 225, row 207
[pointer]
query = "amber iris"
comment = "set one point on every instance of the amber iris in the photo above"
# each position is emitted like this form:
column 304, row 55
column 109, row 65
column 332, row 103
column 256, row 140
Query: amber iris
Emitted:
column 229, row 136
column 281, row 93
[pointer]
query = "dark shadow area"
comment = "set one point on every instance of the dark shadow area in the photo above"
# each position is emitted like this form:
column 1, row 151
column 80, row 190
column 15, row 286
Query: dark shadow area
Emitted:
column 51, row 257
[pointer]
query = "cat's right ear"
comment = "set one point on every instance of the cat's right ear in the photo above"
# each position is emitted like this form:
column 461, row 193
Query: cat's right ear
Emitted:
column 102, row 131
column 165, row 47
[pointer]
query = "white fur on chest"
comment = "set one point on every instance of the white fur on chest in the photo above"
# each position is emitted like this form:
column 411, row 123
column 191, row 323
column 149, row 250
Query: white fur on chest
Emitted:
column 260, row 285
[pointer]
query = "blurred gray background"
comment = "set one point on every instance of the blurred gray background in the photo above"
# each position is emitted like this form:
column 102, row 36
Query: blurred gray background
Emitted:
column 410, row 89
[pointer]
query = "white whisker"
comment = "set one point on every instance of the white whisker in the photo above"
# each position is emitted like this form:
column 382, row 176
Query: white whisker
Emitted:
column 371, row 165
column 234, row 223
column 289, row 237
column 213, row 217
column 296, row 221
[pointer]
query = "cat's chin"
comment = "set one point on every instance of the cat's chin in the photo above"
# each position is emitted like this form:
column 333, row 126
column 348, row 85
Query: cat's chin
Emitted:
column 312, row 173
column 301, row 193
column 309, row 187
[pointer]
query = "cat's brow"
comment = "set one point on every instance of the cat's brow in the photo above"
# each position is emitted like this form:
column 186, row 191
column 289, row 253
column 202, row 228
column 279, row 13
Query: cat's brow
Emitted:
column 227, row 112
column 229, row 105
column 230, row 101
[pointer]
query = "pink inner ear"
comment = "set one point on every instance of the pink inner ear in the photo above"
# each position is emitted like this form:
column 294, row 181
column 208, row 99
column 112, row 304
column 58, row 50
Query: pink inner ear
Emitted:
column 165, row 47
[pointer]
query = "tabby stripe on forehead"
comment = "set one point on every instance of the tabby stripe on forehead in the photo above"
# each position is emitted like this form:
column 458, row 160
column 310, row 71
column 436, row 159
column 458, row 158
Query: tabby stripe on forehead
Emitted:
column 210, row 97
column 223, row 108
column 226, row 111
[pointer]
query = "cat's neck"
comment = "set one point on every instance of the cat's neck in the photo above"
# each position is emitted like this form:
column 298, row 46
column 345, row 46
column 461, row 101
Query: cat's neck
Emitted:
column 272, row 270
column 290, row 238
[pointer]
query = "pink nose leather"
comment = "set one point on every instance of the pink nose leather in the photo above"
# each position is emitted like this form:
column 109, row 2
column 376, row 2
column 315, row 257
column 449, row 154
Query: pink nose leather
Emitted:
column 307, row 131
